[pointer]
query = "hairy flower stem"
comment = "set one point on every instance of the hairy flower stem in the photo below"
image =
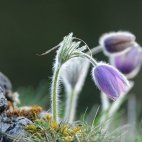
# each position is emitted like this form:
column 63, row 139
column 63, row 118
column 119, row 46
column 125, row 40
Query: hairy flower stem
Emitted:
column 54, row 93
column 95, row 50
column 105, row 102
column 71, row 106
column 93, row 61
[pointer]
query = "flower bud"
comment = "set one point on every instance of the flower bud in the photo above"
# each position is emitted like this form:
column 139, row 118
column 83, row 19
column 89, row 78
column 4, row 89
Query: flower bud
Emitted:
column 116, row 42
column 109, row 80
column 128, row 63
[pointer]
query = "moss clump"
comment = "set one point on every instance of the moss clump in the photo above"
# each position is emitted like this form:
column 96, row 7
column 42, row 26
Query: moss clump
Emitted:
column 43, row 129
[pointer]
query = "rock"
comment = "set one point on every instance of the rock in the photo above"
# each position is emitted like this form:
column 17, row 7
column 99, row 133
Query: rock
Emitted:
column 5, row 123
column 5, row 138
column 5, row 82
column 18, row 126
column 12, row 126
column 9, row 95
column 6, row 86
column 3, row 100
column 4, row 126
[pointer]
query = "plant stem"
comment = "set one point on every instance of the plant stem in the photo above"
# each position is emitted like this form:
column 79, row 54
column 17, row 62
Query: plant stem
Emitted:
column 105, row 106
column 95, row 50
column 93, row 61
column 55, row 93
column 71, row 105
column 105, row 102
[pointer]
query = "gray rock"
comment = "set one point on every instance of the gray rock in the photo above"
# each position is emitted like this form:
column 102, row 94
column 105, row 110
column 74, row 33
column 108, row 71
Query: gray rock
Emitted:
column 4, row 127
column 5, row 123
column 18, row 126
column 12, row 126
column 6, row 86
column 3, row 100
column 5, row 82
column 5, row 138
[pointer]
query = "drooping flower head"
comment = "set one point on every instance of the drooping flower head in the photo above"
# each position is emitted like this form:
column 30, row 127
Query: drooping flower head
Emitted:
column 128, row 63
column 109, row 80
column 116, row 42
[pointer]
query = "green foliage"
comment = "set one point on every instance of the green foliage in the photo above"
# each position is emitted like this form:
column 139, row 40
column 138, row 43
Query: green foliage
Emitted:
column 39, row 96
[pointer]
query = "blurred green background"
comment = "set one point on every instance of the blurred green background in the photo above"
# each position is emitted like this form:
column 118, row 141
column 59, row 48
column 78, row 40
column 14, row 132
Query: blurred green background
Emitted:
column 30, row 27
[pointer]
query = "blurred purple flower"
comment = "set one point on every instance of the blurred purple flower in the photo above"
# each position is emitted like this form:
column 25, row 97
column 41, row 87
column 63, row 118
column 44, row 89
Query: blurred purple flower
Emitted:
column 115, row 42
column 109, row 80
column 128, row 63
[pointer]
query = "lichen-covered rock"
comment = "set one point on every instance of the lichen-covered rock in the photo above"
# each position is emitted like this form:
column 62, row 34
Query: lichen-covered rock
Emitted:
column 11, row 126
column 3, row 100
column 5, row 138
column 19, row 126
column 9, row 95
column 4, row 124
column 5, row 82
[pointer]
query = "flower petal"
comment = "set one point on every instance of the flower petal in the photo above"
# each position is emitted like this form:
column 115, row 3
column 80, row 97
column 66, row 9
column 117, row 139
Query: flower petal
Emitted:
column 106, row 82
column 116, row 73
column 109, row 80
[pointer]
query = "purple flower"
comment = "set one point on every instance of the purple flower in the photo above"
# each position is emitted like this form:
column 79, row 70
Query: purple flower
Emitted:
column 109, row 80
column 128, row 63
column 115, row 42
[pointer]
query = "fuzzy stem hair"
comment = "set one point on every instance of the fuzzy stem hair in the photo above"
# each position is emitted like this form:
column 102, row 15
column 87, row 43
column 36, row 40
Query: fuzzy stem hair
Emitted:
column 54, row 93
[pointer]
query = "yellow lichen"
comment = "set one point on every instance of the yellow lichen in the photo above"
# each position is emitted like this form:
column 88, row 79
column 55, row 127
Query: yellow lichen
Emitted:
column 33, row 111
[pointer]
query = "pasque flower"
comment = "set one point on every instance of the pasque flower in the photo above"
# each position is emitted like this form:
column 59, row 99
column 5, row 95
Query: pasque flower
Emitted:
column 128, row 63
column 109, row 80
column 115, row 42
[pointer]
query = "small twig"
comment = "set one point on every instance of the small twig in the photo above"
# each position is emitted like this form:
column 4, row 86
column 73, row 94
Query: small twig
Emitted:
column 48, row 51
